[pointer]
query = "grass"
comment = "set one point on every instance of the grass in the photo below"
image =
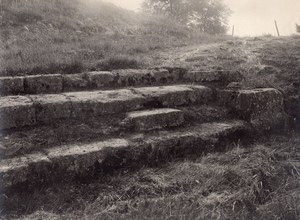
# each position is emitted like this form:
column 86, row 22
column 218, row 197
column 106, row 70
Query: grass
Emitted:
column 260, row 181
column 262, row 61
column 64, row 36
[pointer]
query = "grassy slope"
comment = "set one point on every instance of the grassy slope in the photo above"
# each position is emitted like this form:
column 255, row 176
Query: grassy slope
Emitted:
column 263, row 61
column 51, row 36
column 249, row 182
column 260, row 181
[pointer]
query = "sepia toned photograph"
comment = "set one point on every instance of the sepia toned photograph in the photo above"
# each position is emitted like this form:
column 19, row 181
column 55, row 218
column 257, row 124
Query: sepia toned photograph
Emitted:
column 150, row 109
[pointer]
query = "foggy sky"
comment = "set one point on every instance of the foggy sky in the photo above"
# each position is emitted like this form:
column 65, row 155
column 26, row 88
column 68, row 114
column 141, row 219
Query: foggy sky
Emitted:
column 251, row 17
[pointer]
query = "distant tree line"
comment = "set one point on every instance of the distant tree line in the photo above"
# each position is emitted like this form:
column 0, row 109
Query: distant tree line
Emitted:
column 208, row 16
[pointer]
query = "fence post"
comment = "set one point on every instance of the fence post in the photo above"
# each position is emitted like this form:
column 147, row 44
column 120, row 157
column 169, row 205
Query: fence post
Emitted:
column 276, row 28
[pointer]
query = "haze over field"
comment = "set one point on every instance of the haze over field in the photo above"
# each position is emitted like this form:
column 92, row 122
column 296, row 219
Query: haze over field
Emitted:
column 251, row 17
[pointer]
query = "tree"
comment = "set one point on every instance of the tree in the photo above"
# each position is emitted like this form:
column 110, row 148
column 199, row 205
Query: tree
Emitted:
column 298, row 28
column 208, row 16
column 171, row 8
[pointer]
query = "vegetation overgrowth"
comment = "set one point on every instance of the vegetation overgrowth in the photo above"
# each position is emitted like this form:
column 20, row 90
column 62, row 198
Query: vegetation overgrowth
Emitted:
column 64, row 36
column 256, row 181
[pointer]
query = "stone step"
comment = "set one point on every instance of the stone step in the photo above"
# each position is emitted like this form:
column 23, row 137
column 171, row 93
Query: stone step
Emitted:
column 17, row 142
column 59, row 83
column 148, row 120
column 263, row 107
column 76, row 160
column 19, row 111
column 214, row 76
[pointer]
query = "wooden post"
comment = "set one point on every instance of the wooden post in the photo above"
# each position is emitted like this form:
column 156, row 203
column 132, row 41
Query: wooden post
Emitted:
column 232, row 30
column 276, row 28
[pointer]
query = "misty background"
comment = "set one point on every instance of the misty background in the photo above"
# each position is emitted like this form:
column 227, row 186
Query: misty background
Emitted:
column 250, row 17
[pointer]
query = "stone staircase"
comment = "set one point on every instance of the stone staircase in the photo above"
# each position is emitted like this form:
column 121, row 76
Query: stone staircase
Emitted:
column 69, row 126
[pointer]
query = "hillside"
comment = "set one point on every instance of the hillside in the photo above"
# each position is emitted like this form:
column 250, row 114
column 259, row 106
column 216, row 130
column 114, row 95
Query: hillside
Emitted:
column 255, row 177
column 180, row 125
column 40, row 36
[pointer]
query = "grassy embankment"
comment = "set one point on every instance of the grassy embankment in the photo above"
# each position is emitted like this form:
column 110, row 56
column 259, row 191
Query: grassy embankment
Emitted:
column 259, row 181
column 63, row 36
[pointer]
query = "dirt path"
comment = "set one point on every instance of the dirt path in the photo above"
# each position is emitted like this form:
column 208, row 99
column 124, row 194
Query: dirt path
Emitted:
column 264, row 61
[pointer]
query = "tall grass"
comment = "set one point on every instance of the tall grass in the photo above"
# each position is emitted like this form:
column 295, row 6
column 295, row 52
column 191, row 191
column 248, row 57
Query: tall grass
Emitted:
column 260, row 182
column 39, row 36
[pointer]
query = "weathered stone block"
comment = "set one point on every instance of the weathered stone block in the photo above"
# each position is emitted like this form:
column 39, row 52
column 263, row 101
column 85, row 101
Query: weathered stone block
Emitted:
column 11, row 85
column 231, row 76
column 253, row 101
column 176, row 72
column 104, row 102
column 16, row 111
column 167, row 95
column 192, row 141
column 262, row 107
column 226, row 97
column 51, row 106
column 74, row 160
column 202, row 76
column 43, row 84
column 212, row 76
column 101, row 79
column 292, row 106
column 79, row 158
column 74, row 82
column 258, row 101
column 201, row 94
column 162, row 76
column 18, row 170
column 155, row 119
column 132, row 77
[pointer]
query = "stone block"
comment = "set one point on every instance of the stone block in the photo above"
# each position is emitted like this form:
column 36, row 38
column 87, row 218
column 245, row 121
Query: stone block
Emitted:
column 212, row 76
column 202, row 76
column 16, row 112
column 81, row 159
column 231, row 76
column 253, row 101
column 43, row 84
column 191, row 141
column 11, row 85
column 51, row 106
column 258, row 101
column 132, row 77
column 74, row 82
column 263, row 108
column 104, row 102
column 226, row 97
column 155, row 119
column 162, row 76
column 101, row 79
column 201, row 94
column 76, row 159
column 21, row 169
column 168, row 95
column 176, row 72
